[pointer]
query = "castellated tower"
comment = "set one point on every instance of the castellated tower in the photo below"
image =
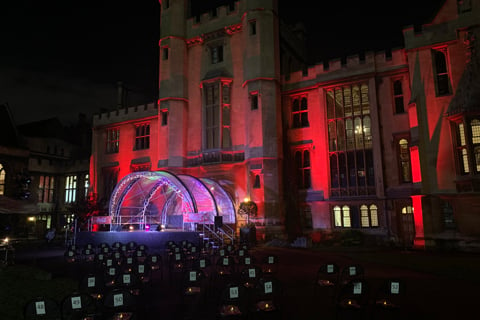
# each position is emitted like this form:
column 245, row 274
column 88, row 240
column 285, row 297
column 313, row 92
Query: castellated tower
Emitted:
column 219, row 102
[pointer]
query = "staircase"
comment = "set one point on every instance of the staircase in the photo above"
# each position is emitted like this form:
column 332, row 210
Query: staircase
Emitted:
column 218, row 236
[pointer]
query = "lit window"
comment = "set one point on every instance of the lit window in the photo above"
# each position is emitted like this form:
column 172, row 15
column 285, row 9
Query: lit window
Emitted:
column 407, row 210
column 46, row 187
column 398, row 97
column 342, row 216
column 404, row 157
column 300, row 113
column 442, row 78
column 2, row 180
column 70, row 189
column 113, row 140
column 350, row 141
column 462, row 149
column 368, row 216
column 142, row 136
column 86, row 184
column 475, row 129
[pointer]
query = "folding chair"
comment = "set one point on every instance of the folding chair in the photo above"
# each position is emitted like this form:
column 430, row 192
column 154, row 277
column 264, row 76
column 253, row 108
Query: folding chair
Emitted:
column 130, row 282
column 326, row 281
column 143, row 272
column 224, row 270
column 42, row 308
column 250, row 275
column 71, row 256
column 353, row 300
column 351, row 272
column 233, row 303
column 270, row 265
column 389, row 299
column 120, row 304
column 94, row 285
column 79, row 306
column 155, row 262
column 267, row 299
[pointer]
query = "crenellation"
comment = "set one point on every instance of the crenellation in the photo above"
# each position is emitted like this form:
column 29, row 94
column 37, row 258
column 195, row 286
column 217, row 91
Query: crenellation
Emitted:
column 222, row 12
column 129, row 113
column 367, row 61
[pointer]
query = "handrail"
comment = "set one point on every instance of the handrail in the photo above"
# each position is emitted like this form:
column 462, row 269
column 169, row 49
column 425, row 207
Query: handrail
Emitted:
column 212, row 232
column 229, row 233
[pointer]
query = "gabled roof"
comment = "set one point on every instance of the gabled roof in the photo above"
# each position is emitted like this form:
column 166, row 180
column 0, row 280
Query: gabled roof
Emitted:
column 467, row 96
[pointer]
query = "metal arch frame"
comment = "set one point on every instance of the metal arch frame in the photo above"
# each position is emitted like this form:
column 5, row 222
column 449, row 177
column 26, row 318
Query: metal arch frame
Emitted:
column 208, row 190
column 165, row 178
column 226, row 194
column 130, row 180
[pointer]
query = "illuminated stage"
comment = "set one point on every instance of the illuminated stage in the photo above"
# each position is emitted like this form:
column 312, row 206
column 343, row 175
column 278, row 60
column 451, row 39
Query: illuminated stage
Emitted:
column 154, row 240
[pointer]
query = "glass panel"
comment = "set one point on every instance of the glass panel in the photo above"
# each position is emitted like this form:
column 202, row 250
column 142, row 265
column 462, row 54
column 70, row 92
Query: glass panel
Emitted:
column 340, row 135
column 346, row 217
column 296, row 105
column 466, row 167
column 374, row 215
column 475, row 126
column 332, row 136
column 337, row 214
column 223, row 200
column 364, row 220
column 330, row 104
column 356, row 100
column 365, row 101
column 347, row 96
column 367, row 132
column 304, row 105
column 338, row 103
column 349, row 132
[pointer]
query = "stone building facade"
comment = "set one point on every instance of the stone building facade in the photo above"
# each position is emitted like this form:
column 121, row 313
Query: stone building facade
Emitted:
column 385, row 143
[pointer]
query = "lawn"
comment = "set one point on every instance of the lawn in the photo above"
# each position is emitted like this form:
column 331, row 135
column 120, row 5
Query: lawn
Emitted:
column 21, row 283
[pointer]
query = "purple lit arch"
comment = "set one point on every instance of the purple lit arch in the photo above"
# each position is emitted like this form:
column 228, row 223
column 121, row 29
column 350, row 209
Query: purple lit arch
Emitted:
column 143, row 199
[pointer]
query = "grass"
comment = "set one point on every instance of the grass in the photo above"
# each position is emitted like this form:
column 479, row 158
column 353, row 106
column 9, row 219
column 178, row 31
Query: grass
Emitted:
column 21, row 283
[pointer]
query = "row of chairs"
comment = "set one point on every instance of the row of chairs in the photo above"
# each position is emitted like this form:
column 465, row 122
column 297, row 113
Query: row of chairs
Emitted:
column 111, row 288
column 229, row 277
column 351, row 293
column 117, row 304
column 239, row 285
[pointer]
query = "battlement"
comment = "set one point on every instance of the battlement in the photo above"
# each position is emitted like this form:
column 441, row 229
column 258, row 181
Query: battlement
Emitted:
column 351, row 65
column 222, row 15
column 125, row 114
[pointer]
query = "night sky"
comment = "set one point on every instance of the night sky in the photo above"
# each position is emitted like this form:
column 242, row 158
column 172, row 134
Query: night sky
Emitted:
column 62, row 57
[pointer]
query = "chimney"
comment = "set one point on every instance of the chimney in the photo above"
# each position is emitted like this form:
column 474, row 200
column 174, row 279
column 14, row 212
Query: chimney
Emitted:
column 121, row 92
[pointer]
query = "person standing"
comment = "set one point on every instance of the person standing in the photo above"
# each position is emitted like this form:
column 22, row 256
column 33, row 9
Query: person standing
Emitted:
column 50, row 236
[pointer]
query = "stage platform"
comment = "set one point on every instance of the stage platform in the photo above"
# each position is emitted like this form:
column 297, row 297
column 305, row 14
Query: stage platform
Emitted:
column 154, row 240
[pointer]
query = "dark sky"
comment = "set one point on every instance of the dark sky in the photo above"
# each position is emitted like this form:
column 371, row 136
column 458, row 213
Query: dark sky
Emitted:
column 62, row 57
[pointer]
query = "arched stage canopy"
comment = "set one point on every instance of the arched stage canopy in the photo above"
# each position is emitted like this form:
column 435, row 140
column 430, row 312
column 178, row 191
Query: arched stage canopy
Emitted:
column 150, row 198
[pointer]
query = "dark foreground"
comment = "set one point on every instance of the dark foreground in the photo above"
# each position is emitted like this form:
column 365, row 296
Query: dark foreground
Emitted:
column 433, row 285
